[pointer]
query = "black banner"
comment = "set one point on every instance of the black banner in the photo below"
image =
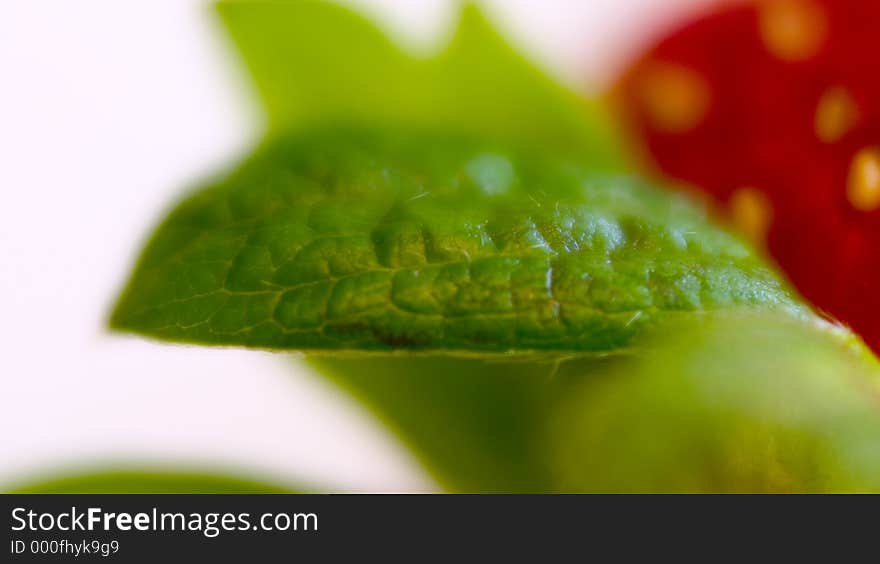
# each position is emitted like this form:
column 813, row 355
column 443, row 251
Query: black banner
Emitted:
column 276, row 528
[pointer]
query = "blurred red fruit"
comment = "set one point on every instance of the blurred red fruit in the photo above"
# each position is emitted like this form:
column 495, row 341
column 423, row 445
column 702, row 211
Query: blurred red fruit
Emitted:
column 773, row 107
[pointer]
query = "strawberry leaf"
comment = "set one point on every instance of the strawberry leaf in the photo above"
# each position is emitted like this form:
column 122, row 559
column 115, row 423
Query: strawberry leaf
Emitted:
column 317, row 62
column 732, row 404
column 354, row 240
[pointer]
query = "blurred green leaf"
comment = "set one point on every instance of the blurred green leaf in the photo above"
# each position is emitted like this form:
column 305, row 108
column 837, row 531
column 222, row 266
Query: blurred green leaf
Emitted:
column 728, row 402
column 476, row 425
column 736, row 403
column 342, row 239
column 143, row 481
column 318, row 62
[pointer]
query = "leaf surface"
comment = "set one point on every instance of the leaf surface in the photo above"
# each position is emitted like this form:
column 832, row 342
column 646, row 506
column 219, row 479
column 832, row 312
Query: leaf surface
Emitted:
column 355, row 240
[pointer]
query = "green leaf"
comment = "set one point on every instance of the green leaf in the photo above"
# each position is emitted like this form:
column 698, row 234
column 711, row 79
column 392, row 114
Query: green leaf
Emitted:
column 727, row 402
column 476, row 425
column 352, row 240
column 736, row 403
column 318, row 62
column 143, row 482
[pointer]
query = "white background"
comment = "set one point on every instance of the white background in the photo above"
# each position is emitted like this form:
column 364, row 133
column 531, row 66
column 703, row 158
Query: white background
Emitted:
column 108, row 109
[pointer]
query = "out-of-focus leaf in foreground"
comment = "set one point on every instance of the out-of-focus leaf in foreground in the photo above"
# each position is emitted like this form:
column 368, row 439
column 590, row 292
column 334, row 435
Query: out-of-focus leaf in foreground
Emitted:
column 318, row 62
column 144, row 482
column 345, row 239
column 739, row 403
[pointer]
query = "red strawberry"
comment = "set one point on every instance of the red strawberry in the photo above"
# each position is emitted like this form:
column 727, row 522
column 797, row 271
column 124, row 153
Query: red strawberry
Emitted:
column 773, row 107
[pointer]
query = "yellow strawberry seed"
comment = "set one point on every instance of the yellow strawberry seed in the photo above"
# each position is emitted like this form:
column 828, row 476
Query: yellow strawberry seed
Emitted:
column 836, row 114
column 674, row 97
column 792, row 30
column 752, row 213
column 863, row 184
